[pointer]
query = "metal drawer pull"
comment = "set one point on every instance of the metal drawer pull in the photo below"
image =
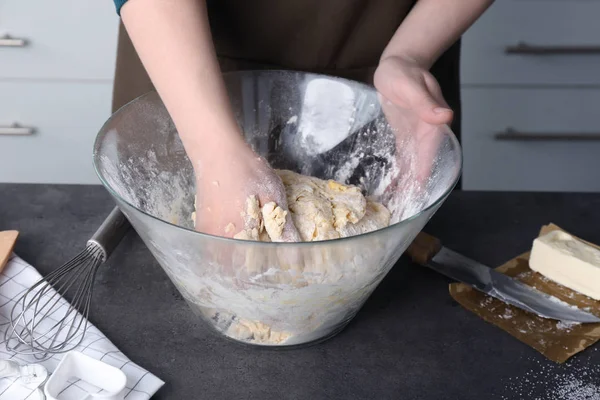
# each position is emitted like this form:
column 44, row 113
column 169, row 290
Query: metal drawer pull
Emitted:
column 9, row 41
column 524, row 48
column 16, row 129
column 512, row 134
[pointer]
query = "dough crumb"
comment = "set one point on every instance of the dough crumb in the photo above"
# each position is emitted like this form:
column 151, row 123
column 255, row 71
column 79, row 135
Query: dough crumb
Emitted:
column 274, row 220
column 253, row 222
column 229, row 228
column 256, row 331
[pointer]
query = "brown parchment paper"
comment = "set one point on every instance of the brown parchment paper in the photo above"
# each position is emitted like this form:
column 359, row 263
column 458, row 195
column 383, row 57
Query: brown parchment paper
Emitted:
column 556, row 340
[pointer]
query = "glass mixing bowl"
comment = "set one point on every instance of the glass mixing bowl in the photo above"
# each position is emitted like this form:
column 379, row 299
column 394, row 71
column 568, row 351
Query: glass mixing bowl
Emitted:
column 281, row 294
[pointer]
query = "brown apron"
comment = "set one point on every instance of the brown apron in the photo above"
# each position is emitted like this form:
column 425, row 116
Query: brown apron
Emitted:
column 336, row 37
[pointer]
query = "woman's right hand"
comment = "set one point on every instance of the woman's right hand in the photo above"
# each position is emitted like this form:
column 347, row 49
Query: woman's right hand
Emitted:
column 224, row 182
column 174, row 42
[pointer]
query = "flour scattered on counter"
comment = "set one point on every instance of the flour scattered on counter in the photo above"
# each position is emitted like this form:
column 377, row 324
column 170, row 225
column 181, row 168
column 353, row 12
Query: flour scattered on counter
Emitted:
column 578, row 380
column 576, row 390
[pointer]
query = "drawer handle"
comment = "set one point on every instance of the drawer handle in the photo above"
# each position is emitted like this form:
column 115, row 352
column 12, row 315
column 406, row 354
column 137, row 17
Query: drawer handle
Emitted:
column 514, row 135
column 524, row 48
column 9, row 41
column 16, row 129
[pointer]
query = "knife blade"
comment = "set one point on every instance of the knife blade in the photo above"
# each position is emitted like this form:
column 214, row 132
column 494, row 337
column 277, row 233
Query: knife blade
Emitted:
column 428, row 251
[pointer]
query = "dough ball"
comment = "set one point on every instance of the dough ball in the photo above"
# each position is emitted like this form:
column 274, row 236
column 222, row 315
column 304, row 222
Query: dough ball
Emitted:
column 320, row 210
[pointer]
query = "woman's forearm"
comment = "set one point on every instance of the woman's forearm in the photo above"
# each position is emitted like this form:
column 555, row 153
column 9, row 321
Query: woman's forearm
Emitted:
column 174, row 42
column 432, row 27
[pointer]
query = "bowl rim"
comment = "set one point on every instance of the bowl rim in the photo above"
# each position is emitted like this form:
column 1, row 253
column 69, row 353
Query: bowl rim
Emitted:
column 101, row 133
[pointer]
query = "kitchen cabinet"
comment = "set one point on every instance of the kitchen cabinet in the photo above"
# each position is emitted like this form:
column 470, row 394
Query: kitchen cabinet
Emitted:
column 56, row 77
column 59, row 121
column 531, row 96
column 541, row 42
column 61, row 39
column 522, row 139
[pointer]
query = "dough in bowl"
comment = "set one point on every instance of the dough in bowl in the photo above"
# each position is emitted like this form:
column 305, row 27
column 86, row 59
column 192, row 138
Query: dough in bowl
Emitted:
column 320, row 210
column 284, row 297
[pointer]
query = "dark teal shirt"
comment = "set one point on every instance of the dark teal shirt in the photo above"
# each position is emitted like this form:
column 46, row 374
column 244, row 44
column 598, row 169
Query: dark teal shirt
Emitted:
column 119, row 4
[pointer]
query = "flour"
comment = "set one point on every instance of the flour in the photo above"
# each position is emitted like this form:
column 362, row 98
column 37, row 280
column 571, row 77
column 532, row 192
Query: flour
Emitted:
column 571, row 388
column 577, row 380
column 319, row 132
column 409, row 196
column 142, row 180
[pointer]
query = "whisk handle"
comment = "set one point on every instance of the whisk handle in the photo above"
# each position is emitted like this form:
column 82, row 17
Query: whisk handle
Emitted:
column 110, row 233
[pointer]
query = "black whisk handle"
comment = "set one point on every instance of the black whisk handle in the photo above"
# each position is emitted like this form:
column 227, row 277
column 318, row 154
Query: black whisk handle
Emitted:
column 110, row 233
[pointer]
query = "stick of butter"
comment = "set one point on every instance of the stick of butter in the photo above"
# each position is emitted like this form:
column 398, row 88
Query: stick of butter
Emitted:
column 567, row 261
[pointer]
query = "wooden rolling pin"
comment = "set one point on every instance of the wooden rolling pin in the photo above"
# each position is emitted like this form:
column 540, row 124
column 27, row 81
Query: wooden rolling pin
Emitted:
column 7, row 243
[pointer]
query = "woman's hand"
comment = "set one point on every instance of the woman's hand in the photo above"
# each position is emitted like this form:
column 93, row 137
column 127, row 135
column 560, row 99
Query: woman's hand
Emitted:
column 224, row 182
column 409, row 86
column 417, row 144
column 412, row 102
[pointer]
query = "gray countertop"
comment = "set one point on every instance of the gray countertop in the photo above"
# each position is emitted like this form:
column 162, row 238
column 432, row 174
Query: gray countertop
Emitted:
column 410, row 341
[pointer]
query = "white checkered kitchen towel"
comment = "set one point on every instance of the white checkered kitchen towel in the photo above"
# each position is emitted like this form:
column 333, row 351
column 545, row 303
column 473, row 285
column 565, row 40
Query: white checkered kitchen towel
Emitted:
column 19, row 276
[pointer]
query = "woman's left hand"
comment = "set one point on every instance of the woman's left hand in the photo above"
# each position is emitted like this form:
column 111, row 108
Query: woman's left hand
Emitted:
column 408, row 85
column 412, row 102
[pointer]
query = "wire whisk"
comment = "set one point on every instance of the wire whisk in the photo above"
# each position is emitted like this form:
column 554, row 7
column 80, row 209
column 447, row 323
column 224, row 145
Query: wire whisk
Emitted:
column 42, row 321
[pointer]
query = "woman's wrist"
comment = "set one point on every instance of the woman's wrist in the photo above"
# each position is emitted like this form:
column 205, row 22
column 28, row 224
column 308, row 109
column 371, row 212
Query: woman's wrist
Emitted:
column 207, row 145
column 431, row 27
column 408, row 57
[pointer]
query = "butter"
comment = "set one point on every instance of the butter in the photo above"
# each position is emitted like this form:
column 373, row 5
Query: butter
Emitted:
column 567, row 261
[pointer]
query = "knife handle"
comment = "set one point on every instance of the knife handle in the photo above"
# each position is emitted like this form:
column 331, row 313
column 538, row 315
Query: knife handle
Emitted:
column 423, row 248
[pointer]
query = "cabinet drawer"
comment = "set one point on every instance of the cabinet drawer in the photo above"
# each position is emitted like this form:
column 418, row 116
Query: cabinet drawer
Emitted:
column 64, row 39
column 569, row 163
column 561, row 38
column 66, row 118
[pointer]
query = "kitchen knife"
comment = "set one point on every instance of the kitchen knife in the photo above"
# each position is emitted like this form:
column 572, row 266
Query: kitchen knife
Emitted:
column 428, row 251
